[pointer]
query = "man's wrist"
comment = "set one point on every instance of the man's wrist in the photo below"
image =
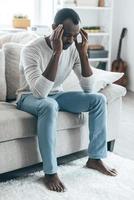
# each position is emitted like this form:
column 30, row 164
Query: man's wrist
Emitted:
column 83, row 54
column 57, row 53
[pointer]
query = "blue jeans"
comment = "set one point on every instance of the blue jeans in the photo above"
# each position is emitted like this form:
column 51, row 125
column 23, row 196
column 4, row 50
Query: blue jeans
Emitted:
column 46, row 112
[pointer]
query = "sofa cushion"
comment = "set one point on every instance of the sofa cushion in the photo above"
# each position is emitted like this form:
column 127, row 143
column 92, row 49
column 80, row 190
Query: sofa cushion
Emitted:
column 102, row 78
column 15, row 123
column 12, row 59
column 111, row 91
column 2, row 77
column 12, row 44
column 20, row 37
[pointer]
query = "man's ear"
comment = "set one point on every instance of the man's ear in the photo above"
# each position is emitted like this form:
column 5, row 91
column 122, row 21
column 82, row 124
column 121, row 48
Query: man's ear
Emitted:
column 54, row 26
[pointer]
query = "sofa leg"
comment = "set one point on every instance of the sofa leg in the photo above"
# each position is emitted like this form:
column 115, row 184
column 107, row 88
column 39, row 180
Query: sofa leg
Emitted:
column 110, row 145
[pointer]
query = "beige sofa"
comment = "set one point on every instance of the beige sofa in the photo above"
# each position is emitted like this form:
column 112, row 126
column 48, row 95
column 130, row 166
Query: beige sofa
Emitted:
column 18, row 131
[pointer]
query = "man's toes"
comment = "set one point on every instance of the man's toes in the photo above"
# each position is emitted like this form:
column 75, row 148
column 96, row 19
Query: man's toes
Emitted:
column 59, row 188
column 50, row 187
column 111, row 173
column 107, row 171
column 63, row 187
column 55, row 188
column 114, row 170
column 114, row 173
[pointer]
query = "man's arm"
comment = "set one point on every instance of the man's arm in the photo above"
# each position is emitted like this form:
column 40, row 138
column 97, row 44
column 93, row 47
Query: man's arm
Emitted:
column 41, row 83
column 85, row 67
column 82, row 67
column 57, row 46
column 82, row 50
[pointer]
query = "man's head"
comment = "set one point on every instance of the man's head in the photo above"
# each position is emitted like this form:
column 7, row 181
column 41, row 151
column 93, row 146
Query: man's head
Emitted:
column 70, row 20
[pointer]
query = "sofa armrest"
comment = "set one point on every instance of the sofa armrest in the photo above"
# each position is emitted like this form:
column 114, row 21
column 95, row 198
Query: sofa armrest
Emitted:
column 113, row 92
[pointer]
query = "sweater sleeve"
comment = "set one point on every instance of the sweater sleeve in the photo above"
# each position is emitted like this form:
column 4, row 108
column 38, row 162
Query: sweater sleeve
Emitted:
column 39, row 85
column 86, row 83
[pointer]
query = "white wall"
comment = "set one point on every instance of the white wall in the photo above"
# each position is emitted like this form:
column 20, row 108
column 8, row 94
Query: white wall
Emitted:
column 123, row 16
column 39, row 11
column 9, row 8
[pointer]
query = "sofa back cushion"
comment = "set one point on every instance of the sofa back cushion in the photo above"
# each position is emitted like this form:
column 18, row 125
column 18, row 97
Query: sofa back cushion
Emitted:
column 12, row 43
column 12, row 59
column 21, row 37
column 2, row 77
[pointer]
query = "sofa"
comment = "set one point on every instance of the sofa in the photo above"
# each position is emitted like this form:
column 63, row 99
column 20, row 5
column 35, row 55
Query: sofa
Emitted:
column 18, row 129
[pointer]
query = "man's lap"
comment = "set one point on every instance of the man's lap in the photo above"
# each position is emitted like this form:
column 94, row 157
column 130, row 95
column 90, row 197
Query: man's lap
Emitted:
column 71, row 101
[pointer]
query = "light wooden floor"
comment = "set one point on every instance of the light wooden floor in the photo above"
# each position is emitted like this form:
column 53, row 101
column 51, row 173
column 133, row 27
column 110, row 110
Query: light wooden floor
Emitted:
column 124, row 145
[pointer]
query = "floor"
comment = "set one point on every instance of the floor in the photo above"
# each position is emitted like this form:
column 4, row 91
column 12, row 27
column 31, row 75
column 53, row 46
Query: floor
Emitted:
column 124, row 145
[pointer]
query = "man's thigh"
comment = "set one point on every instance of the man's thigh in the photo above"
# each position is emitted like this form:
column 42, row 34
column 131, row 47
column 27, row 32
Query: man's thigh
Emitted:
column 76, row 101
column 31, row 104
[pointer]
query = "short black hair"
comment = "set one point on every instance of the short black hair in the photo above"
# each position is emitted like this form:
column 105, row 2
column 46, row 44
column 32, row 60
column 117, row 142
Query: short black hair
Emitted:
column 66, row 13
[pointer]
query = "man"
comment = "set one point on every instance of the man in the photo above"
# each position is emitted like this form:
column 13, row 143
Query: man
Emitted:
column 45, row 64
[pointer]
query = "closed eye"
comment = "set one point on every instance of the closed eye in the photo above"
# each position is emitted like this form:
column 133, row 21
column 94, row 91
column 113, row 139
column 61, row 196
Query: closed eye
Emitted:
column 70, row 35
column 66, row 34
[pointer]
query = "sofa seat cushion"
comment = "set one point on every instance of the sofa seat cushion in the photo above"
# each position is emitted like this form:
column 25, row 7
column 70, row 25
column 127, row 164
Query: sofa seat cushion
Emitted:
column 15, row 123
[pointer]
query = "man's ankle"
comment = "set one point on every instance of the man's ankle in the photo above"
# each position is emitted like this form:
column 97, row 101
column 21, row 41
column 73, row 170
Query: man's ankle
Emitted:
column 51, row 175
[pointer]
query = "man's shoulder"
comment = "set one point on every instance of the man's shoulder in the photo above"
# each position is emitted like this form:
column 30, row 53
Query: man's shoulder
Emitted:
column 35, row 45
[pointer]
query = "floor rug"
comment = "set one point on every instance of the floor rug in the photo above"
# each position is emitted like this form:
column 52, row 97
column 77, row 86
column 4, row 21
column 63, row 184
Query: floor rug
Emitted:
column 81, row 183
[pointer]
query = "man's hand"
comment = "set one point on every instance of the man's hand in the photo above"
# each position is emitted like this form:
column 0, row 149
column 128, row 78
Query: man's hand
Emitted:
column 83, row 46
column 56, row 39
column 82, row 49
column 57, row 46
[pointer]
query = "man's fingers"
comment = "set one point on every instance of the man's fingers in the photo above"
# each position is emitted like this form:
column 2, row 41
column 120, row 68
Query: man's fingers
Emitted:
column 58, row 31
column 54, row 34
column 61, row 33
column 84, row 32
column 84, row 35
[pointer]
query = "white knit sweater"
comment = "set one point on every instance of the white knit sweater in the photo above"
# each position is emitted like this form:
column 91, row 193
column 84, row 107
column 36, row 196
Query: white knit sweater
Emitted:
column 34, row 60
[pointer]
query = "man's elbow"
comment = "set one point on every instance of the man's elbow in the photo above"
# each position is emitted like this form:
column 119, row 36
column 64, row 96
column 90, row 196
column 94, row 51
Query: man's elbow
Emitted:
column 38, row 94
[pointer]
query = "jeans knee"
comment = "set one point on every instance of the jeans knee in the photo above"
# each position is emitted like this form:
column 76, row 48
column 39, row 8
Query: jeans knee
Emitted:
column 50, row 106
column 102, row 98
column 99, row 99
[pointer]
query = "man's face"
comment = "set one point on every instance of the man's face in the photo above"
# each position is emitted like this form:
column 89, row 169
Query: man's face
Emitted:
column 70, row 33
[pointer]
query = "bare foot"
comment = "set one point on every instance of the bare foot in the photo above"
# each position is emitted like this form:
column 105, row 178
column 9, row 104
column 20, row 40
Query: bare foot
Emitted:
column 53, row 182
column 98, row 165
